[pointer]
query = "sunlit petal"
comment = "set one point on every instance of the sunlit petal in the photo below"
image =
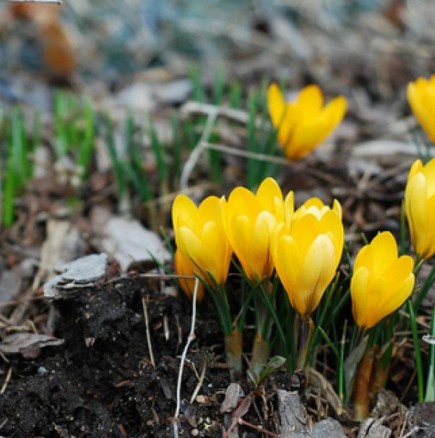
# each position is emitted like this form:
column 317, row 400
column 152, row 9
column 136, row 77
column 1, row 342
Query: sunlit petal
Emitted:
column 381, row 280
column 305, row 123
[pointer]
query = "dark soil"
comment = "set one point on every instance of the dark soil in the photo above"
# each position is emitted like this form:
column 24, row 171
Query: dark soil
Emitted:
column 101, row 383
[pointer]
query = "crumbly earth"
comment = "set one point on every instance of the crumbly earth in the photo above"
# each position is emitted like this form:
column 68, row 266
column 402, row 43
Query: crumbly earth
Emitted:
column 101, row 382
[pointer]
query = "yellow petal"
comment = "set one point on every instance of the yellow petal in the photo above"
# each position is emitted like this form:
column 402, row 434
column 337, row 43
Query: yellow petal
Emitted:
column 317, row 271
column 358, row 292
column 194, row 249
column 184, row 211
column 429, row 173
column 269, row 196
column 332, row 225
column 420, row 97
column 184, row 267
column 309, row 103
column 397, row 275
column 416, row 212
column 385, row 247
column 289, row 205
column 288, row 260
column 208, row 210
column 276, row 104
column 417, row 166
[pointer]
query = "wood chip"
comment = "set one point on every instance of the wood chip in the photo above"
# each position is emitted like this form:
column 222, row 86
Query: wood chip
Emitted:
column 328, row 428
column 293, row 415
column 83, row 272
column 371, row 428
column 232, row 397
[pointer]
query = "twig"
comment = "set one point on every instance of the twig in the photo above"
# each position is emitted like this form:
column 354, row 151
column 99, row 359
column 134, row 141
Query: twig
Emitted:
column 6, row 382
column 147, row 331
column 236, row 115
column 199, row 148
column 200, row 380
column 258, row 428
column 147, row 275
column 246, row 154
column 190, row 339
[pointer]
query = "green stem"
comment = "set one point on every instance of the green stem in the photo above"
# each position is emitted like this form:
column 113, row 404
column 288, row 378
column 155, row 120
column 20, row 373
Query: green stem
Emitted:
column 219, row 297
column 341, row 380
column 263, row 321
column 233, row 351
column 430, row 383
column 418, row 362
column 268, row 300
column 305, row 331
column 421, row 295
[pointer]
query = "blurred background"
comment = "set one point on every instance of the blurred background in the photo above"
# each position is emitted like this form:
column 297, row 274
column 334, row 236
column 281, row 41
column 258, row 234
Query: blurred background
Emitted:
column 101, row 45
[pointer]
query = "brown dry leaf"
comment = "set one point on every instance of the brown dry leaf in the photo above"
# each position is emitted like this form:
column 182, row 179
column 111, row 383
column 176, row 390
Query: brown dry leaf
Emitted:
column 63, row 244
column 83, row 272
column 57, row 51
column 126, row 240
column 27, row 344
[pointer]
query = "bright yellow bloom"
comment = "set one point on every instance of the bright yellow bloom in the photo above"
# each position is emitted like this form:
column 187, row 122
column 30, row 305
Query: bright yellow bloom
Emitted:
column 306, row 251
column 305, row 123
column 249, row 220
column 421, row 98
column 184, row 266
column 200, row 237
column 420, row 207
column 381, row 281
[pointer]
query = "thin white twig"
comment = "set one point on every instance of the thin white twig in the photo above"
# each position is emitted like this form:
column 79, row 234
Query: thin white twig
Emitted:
column 199, row 148
column 190, row 339
column 193, row 107
column 246, row 154
column 147, row 331
column 200, row 380
column 6, row 381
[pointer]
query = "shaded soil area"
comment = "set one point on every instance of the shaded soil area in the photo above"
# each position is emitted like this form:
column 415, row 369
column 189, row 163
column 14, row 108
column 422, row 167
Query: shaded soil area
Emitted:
column 100, row 382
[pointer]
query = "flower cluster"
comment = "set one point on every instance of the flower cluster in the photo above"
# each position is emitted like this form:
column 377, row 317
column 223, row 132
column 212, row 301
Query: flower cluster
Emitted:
column 303, row 247
column 289, row 257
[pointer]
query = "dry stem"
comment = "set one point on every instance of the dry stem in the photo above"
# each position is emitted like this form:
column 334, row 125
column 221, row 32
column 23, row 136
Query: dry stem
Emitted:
column 190, row 339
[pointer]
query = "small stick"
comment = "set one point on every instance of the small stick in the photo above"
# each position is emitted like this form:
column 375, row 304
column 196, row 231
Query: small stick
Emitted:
column 190, row 339
column 246, row 154
column 199, row 149
column 6, row 382
column 193, row 107
column 147, row 331
column 200, row 380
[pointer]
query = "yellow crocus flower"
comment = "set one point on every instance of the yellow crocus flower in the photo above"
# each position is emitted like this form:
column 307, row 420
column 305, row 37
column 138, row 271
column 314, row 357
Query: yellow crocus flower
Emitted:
column 249, row 220
column 305, row 123
column 381, row 280
column 420, row 207
column 421, row 98
column 306, row 251
column 200, row 237
column 184, row 266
